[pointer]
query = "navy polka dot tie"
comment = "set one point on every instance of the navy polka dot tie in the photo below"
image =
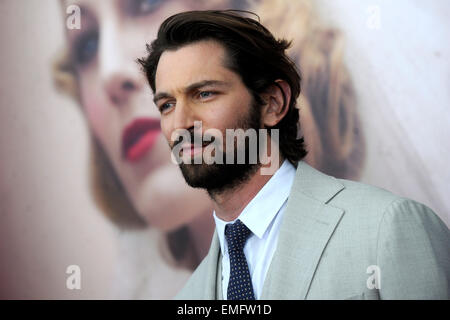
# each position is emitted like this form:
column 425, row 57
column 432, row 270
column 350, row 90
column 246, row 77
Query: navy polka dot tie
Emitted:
column 240, row 284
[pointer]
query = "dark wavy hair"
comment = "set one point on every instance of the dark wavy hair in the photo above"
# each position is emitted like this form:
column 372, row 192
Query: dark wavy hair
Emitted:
column 252, row 52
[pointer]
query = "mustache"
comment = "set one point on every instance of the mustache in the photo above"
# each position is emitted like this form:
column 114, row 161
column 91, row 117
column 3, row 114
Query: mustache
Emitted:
column 193, row 137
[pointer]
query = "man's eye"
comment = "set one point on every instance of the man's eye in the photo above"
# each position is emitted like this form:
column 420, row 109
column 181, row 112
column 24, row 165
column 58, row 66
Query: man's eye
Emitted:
column 205, row 94
column 86, row 48
column 143, row 7
column 165, row 106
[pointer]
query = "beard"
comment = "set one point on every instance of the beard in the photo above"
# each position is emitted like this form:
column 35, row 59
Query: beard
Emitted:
column 219, row 177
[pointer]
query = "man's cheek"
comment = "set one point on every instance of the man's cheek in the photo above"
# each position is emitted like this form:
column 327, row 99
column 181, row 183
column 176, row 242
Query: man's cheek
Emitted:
column 166, row 132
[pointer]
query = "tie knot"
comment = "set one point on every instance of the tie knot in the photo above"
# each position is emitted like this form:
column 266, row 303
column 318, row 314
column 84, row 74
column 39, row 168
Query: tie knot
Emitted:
column 236, row 235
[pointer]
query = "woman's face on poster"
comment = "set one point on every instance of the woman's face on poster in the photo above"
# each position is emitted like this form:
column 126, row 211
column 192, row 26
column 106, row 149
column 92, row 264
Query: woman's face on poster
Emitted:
column 118, row 102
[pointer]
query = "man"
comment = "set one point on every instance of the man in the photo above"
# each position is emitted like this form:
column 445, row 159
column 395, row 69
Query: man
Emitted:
column 294, row 233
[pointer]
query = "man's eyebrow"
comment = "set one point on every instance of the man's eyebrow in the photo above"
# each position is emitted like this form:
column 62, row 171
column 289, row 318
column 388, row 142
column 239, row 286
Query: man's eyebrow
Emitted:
column 204, row 83
column 192, row 87
column 161, row 95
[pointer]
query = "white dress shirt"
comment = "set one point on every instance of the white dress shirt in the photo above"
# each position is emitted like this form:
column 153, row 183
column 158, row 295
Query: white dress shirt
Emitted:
column 262, row 216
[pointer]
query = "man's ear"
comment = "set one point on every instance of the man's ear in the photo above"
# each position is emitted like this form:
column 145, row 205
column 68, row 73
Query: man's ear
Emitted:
column 277, row 98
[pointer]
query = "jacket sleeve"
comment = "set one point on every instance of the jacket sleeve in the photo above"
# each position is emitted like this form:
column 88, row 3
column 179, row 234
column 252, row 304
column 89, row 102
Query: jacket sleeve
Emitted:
column 413, row 253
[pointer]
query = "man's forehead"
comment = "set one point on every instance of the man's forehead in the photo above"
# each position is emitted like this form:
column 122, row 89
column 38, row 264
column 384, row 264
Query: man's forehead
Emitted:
column 190, row 64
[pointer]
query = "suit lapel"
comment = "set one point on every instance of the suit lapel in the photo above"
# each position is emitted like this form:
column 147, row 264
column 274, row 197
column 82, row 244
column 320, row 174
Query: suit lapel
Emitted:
column 307, row 225
column 212, row 271
column 219, row 294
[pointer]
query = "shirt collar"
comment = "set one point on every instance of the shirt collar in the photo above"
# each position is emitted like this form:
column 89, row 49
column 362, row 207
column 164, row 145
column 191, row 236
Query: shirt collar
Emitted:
column 262, row 209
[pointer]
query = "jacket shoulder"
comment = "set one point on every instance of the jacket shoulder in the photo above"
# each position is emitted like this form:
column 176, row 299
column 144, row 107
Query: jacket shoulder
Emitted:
column 368, row 200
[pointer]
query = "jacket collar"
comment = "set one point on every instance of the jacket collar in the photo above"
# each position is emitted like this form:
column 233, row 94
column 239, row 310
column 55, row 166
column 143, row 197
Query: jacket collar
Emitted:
column 307, row 225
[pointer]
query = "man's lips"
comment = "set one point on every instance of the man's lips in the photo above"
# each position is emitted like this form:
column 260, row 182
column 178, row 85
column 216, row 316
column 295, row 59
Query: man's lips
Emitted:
column 139, row 137
column 191, row 150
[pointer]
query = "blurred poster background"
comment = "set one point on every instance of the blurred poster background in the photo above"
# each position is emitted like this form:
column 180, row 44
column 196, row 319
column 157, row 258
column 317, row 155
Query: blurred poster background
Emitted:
column 374, row 108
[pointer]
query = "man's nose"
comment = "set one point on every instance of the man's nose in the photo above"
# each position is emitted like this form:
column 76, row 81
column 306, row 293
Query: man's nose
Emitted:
column 181, row 123
column 184, row 116
column 119, row 72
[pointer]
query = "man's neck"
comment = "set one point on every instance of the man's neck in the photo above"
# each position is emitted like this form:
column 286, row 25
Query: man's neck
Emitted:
column 229, row 204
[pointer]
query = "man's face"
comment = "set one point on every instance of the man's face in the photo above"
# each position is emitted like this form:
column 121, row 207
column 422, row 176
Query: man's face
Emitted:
column 192, row 84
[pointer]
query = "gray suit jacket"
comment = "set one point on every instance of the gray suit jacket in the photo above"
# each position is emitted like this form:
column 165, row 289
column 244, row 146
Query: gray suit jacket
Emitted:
column 345, row 240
